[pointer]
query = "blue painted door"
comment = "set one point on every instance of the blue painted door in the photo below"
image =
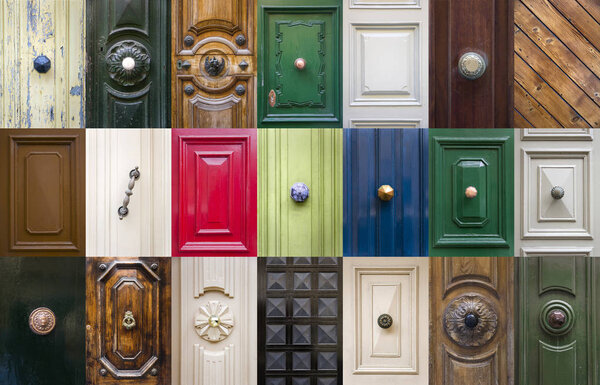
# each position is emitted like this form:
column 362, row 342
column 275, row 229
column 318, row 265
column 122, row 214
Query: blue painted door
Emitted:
column 374, row 158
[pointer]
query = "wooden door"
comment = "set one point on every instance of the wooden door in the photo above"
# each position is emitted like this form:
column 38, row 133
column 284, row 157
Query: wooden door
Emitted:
column 128, row 321
column 385, row 192
column 214, row 192
column 112, row 154
column 471, row 200
column 386, row 65
column 42, row 68
column 300, row 190
column 480, row 33
column 386, row 310
column 299, row 68
column 49, row 293
column 215, row 318
column 213, row 64
column 42, row 174
column 299, row 321
column 127, row 67
column 471, row 326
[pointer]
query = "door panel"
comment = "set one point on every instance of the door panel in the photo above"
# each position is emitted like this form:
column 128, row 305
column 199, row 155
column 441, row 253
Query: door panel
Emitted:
column 43, row 198
column 386, row 301
column 300, row 328
column 111, row 155
column 123, row 92
column 312, row 227
column 460, row 27
column 128, row 320
column 213, row 65
column 375, row 158
column 471, row 178
column 471, row 306
column 214, row 192
column 57, row 284
column 49, row 32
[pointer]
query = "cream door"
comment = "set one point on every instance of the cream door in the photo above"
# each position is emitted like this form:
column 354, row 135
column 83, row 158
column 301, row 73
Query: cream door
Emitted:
column 214, row 321
column 385, row 67
column 111, row 155
column 556, row 191
column 386, row 318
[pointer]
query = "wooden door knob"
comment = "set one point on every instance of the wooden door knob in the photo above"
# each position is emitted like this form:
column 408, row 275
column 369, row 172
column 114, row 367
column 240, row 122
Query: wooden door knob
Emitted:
column 300, row 63
column 471, row 192
column 385, row 192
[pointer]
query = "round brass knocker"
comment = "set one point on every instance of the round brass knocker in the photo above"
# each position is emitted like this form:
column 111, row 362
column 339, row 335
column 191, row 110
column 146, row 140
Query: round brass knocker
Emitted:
column 128, row 320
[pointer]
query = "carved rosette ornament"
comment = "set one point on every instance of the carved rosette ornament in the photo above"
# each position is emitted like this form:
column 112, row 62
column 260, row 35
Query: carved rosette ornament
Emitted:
column 470, row 320
column 128, row 63
column 214, row 321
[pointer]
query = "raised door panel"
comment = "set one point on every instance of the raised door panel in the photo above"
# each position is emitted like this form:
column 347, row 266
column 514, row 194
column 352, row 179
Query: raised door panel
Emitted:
column 127, row 72
column 214, row 192
column 380, row 221
column 471, row 313
column 43, row 174
column 300, row 208
column 213, row 65
column 471, row 179
column 128, row 320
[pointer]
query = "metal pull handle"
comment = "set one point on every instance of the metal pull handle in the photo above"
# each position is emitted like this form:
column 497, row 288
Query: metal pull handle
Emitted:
column 470, row 192
column 42, row 321
column 128, row 320
column 134, row 175
column 42, row 64
column 471, row 65
column 557, row 192
column 385, row 321
column 299, row 192
column 385, row 192
column 300, row 63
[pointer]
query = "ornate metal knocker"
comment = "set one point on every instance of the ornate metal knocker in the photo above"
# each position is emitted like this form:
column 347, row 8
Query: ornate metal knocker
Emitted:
column 128, row 320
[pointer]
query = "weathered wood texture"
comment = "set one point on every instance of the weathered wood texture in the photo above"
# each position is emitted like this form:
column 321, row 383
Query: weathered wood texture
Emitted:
column 557, row 63
column 55, row 29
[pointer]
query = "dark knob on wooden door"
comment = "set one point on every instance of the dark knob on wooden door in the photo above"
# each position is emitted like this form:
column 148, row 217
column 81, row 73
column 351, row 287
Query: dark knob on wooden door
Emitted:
column 42, row 64
column 471, row 320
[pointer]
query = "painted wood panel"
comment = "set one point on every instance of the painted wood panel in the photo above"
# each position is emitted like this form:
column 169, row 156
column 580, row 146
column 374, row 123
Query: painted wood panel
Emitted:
column 55, row 30
column 214, row 192
column 313, row 227
column 43, row 198
column 111, row 155
column 378, row 157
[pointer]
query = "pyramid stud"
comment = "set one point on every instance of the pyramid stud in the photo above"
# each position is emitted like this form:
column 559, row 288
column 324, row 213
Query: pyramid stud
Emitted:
column 385, row 192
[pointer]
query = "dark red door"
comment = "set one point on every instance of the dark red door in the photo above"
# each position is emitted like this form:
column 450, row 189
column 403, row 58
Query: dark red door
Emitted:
column 214, row 192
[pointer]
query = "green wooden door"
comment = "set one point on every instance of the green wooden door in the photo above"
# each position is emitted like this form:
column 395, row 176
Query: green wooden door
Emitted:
column 471, row 192
column 314, row 226
column 299, row 73
column 127, row 74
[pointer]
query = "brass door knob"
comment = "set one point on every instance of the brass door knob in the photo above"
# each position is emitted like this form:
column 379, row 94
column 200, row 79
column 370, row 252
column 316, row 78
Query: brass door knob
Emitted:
column 42, row 321
column 128, row 320
column 385, row 192
column 471, row 192
column 471, row 65
column 557, row 192
column 300, row 63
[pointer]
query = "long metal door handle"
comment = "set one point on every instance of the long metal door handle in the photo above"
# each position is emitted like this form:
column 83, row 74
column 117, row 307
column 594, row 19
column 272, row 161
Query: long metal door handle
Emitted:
column 133, row 175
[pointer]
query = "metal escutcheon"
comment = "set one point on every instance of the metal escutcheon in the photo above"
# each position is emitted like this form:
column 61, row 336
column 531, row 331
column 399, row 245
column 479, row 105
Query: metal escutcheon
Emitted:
column 471, row 65
column 42, row 321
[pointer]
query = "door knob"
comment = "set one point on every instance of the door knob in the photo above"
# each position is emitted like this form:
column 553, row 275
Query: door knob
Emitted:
column 385, row 321
column 471, row 320
column 128, row 320
column 42, row 321
column 133, row 175
column 42, row 64
column 299, row 192
column 471, row 192
column 128, row 63
column 471, row 65
column 557, row 192
column 385, row 192
column 300, row 63
column 557, row 318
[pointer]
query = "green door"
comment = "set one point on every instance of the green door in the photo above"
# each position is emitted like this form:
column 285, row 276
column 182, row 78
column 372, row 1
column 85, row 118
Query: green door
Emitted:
column 471, row 192
column 299, row 72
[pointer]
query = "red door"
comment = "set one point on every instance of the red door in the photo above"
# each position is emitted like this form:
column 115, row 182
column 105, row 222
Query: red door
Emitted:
column 214, row 192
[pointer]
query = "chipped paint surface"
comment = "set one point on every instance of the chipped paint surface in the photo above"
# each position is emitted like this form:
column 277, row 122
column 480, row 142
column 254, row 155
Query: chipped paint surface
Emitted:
column 29, row 28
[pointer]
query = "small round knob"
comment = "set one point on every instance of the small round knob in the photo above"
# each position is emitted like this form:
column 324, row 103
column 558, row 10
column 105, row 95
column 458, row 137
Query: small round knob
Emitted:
column 154, row 372
column 42, row 64
column 103, row 372
column 471, row 192
column 557, row 318
column 385, row 321
column 557, row 192
column 299, row 192
column 154, row 266
column 189, row 89
column 188, row 40
column 42, row 321
column 128, row 63
column 240, row 40
column 214, row 321
column 300, row 63
column 102, row 266
column 240, row 89
column 385, row 192
column 128, row 320
column 471, row 66
column 471, row 320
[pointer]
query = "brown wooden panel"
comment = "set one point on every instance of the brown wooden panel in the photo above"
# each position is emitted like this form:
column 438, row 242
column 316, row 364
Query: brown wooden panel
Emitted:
column 42, row 173
column 128, row 320
column 531, row 111
column 213, row 66
column 467, row 287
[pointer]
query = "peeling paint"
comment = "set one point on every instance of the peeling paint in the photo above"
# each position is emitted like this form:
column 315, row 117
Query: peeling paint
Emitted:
column 75, row 91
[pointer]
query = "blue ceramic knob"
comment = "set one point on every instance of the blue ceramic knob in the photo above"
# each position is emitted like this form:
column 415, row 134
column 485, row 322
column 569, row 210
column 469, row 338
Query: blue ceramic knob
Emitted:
column 42, row 64
column 299, row 192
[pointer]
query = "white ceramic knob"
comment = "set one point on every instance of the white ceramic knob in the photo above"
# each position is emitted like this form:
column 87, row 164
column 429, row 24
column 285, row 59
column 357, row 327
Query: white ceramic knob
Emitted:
column 128, row 63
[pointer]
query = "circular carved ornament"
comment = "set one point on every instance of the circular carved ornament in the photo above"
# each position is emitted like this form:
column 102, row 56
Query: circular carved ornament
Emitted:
column 557, row 317
column 42, row 321
column 128, row 62
column 214, row 321
column 470, row 320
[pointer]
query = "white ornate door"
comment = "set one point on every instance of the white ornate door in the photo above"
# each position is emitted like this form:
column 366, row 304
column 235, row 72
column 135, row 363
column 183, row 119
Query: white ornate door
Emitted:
column 386, row 318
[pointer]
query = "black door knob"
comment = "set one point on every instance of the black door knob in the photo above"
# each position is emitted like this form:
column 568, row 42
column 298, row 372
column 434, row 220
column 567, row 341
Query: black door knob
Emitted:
column 471, row 320
column 42, row 64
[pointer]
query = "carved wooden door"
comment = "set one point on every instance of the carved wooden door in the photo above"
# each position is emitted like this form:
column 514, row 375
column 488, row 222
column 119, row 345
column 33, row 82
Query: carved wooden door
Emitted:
column 213, row 64
column 128, row 311
column 471, row 325
column 43, row 195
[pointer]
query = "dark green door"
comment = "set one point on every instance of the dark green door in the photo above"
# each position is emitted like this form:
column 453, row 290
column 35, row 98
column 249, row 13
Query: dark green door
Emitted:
column 299, row 72
column 58, row 357
column 127, row 70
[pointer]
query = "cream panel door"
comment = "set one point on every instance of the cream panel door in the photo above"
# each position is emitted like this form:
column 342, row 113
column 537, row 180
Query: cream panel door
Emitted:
column 555, row 191
column 111, row 154
column 386, row 317
column 385, row 67
column 215, row 321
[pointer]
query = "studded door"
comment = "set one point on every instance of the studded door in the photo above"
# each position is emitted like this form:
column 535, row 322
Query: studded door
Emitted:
column 300, row 321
